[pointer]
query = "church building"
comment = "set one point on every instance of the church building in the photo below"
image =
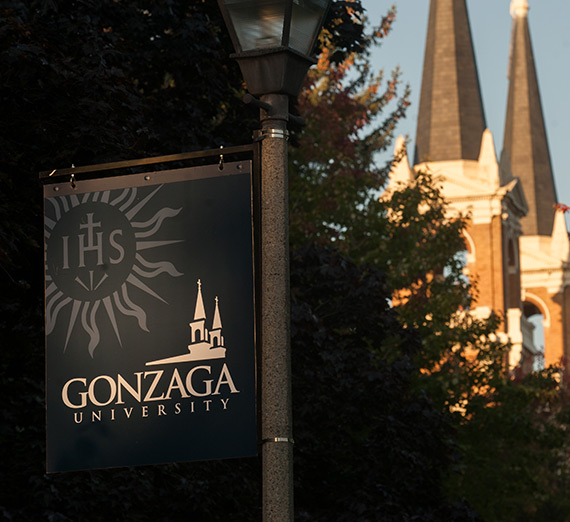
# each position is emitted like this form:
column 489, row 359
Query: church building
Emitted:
column 517, row 244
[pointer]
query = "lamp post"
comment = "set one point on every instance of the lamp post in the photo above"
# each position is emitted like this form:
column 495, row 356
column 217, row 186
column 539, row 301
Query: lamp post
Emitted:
column 273, row 40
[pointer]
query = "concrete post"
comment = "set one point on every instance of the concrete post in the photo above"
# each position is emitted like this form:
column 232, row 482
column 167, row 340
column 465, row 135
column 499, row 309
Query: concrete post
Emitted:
column 276, row 425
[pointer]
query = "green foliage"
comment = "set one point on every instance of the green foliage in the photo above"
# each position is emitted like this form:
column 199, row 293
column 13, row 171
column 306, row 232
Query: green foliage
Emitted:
column 370, row 446
column 334, row 199
column 332, row 170
column 516, row 464
column 421, row 251
column 86, row 81
column 513, row 435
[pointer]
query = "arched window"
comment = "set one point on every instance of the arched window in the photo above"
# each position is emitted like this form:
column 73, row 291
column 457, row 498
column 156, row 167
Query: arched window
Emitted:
column 513, row 275
column 534, row 316
column 512, row 258
column 458, row 266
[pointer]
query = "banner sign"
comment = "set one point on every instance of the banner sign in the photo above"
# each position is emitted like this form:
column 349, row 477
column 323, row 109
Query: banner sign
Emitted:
column 149, row 307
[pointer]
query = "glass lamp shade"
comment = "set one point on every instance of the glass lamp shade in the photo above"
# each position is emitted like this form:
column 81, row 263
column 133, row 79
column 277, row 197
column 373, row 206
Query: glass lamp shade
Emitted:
column 273, row 40
column 306, row 19
column 259, row 24
column 262, row 24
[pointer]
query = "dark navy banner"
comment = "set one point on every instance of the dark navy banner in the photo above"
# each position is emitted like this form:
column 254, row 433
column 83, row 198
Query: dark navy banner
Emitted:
column 150, row 318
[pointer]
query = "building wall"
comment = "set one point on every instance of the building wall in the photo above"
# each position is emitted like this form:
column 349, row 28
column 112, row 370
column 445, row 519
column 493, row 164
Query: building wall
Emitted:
column 488, row 267
column 566, row 324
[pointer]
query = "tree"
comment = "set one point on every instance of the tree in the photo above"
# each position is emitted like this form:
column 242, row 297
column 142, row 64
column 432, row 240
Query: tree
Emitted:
column 332, row 170
column 512, row 434
column 334, row 199
column 369, row 444
column 461, row 355
column 516, row 452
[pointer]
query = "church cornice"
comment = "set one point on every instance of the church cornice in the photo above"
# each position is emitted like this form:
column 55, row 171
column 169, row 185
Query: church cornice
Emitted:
column 542, row 265
column 553, row 281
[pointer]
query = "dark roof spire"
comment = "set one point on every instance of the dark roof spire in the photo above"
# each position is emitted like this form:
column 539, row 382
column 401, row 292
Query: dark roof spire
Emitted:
column 451, row 120
column 525, row 139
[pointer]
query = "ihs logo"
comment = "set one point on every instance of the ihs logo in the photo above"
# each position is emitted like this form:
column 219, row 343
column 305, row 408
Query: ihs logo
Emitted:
column 94, row 256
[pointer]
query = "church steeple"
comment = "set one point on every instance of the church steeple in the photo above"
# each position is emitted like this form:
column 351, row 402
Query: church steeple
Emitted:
column 217, row 323
column 525, row 139
column 451, row 120
column 199, row 312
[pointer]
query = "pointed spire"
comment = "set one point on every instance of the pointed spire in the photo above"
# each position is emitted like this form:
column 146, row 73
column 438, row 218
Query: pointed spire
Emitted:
column 488, row 160
column 451, row 120
column 217, row 323
column 525, row 134
column 560, row 241
column 519, row 8
column 199, row 312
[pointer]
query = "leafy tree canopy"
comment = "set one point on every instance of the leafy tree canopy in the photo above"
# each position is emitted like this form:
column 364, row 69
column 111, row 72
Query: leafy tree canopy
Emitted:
column 512, row 433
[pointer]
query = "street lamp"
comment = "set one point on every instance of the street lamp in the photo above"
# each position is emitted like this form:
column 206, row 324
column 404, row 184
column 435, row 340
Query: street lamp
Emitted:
column 273, row 40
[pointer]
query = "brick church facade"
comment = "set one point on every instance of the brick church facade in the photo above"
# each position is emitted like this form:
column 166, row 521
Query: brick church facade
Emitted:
column 517, row 244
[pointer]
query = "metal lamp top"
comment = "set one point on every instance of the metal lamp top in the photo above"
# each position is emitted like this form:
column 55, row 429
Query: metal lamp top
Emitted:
column 262, row 24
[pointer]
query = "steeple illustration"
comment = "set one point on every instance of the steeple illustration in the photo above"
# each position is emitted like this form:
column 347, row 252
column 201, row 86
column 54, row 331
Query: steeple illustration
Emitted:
column 450, row 120
column 198, row 325
column 525, row 139
column 216, row 331
column 199, row 312
column 203, row 345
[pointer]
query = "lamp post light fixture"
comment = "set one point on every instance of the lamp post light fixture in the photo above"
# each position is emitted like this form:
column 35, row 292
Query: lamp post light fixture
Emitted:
column 273, row 40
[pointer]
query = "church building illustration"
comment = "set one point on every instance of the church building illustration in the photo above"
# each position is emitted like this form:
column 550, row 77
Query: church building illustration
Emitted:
column 204, row 344
column 516, row 240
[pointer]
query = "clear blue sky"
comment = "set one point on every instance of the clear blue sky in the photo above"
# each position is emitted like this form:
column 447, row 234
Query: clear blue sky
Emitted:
column 491, row 27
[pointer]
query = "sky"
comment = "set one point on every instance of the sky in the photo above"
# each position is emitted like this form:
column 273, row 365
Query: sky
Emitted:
column 490, row 22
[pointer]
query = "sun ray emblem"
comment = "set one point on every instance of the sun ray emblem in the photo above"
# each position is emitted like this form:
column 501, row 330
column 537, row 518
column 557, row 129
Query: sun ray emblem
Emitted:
column 96, row 252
